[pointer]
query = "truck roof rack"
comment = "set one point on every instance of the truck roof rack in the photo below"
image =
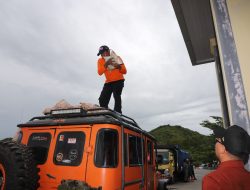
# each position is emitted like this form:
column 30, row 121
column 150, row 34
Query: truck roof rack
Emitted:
column 64, row 114
column 55, row 114
column 98, row 115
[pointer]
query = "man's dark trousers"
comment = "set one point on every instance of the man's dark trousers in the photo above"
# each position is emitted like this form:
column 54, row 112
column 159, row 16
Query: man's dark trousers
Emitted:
column 109, row 88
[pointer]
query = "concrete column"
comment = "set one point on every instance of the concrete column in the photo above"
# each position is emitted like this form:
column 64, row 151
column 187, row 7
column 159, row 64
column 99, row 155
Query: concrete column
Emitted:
column 232, row 75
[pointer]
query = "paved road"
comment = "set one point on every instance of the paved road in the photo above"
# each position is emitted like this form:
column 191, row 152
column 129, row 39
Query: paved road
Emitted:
column 195, row 185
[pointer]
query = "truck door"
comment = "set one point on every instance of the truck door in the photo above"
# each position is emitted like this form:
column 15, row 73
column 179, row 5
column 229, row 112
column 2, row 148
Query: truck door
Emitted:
column 134, row 171
column 150, row 167
column 66, row 158
column 104, row 165
column 40, row 141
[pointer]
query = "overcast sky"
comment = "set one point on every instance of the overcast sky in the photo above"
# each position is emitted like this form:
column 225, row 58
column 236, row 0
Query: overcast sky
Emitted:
column 48, row 52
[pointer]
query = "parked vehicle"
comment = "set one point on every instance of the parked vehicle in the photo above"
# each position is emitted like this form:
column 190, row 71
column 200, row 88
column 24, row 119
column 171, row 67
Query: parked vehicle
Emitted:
column 170, row 159
column 202, row 166
column 74, row 147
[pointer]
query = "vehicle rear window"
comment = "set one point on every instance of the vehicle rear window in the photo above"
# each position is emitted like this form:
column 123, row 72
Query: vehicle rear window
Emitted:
column 39, row 143
column 69, row 148
column 135, row 151
column 106, row 152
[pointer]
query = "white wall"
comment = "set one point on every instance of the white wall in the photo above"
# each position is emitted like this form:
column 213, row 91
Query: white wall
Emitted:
column 239, row 11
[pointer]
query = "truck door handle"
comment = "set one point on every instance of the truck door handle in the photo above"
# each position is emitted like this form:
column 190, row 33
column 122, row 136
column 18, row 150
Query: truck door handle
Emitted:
column 51, row 176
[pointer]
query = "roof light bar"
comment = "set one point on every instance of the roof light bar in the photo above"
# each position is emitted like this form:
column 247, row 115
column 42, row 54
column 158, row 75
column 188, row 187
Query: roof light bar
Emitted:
column 67, row 111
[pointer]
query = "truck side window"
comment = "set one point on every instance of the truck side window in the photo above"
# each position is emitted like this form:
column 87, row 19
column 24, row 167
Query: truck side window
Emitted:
column 150, row 153
column 39, row 143
column 135, row 151
column 69, row 148
column 106, row 151
column 125, row 149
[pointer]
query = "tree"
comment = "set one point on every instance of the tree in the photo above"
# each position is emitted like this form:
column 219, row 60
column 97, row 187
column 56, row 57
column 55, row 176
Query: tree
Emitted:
column 200, row 147
column 218, row 122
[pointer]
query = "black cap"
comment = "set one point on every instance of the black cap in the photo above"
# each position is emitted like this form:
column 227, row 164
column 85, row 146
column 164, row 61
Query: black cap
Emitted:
column 102, row 49
column 235, row 139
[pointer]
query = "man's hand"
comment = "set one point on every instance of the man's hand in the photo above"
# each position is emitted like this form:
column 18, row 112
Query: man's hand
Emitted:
column 109, row 62
column 117, row 66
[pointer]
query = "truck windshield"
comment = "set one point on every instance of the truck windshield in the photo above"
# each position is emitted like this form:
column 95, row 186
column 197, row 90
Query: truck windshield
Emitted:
column 163, row 157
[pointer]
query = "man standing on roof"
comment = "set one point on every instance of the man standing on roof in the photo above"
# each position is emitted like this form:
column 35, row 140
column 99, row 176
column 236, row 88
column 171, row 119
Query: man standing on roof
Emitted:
column 113, row 68
column 232, row 148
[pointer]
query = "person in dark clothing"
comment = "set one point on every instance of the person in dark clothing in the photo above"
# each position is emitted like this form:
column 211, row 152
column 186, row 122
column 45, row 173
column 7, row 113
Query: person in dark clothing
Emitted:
column 109, row 88
column 113, row 68
column 186, row 170
column 192, row 175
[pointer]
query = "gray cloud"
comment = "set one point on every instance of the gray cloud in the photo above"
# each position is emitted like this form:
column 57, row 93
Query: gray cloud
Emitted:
column 48, row 53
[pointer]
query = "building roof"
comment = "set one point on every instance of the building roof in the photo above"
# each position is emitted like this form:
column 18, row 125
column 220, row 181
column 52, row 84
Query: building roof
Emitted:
column 196, row 23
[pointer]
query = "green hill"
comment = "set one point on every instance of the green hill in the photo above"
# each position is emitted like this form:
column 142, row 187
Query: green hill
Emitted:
column 201, row 147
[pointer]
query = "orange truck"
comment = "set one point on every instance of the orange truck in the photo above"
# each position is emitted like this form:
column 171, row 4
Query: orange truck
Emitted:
column 75, row 148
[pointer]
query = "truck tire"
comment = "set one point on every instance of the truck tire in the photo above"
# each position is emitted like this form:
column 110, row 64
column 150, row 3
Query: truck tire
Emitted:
column 162, row 185
column 18, row 169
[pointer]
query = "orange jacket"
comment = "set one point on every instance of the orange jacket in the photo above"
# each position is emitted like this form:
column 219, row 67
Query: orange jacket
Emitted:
column 113, row 75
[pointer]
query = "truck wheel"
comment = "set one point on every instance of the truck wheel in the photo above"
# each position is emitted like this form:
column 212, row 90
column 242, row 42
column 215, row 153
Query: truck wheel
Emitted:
column 18, row 170
column 162, row 185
